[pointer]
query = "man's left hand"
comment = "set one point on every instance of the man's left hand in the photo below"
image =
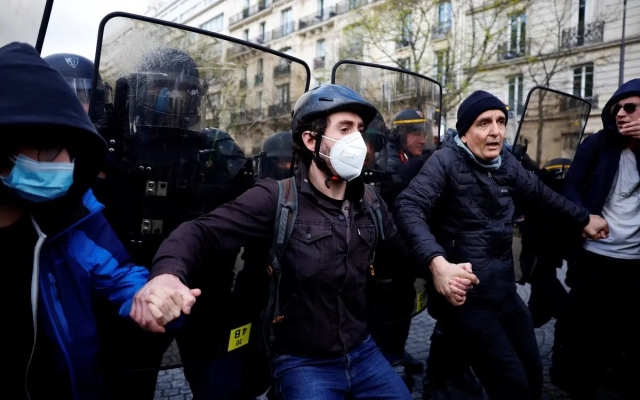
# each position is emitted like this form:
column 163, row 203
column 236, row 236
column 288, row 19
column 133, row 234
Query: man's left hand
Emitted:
column 631, row 129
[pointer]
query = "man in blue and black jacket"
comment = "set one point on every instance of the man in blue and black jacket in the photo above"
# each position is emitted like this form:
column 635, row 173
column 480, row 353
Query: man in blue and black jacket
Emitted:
column 59, row 251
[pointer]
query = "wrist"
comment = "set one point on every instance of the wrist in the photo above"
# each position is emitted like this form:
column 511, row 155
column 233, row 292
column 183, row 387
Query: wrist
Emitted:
column 437, row 263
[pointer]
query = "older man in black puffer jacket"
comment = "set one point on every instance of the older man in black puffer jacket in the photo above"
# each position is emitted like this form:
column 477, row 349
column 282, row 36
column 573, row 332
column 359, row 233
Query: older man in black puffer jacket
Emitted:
column 457, row 213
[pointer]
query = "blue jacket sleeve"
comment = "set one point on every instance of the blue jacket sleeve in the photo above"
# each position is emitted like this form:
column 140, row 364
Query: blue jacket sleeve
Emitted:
column 113, row 275
column 579, row 169
column 414, row 208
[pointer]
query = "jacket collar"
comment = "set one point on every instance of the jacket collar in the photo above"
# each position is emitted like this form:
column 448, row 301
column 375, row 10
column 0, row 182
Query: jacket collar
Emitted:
column 355, row 188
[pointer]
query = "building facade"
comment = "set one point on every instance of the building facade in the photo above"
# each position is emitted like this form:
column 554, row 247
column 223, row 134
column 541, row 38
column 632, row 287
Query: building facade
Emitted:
column 569, row 45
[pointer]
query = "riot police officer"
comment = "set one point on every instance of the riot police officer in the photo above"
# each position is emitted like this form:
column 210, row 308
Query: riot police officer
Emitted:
column 78, row 72
column 168, row 169
column 411, row 143
column 276, row 159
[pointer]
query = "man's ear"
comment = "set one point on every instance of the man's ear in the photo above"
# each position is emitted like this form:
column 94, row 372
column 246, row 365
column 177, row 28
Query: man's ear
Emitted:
column 309, row 140
column 463, row 138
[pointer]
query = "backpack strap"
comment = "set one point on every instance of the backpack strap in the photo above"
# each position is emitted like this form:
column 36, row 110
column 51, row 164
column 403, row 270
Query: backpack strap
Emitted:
column 286, row 213
column 372, row 205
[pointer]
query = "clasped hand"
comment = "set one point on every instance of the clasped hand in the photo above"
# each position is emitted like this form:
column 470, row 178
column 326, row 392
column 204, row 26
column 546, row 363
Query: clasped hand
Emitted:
column 452, row 280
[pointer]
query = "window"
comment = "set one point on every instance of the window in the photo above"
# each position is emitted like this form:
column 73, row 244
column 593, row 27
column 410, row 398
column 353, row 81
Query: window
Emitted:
column 582, row 10
column 516, row 93
column 583, row 81
column 320, row 48
column 260, row 67
column 444, row 16
column 407, row 32
column 214, row 25
column 263, row 30
column 442, row 66
column 245, row 35
column 321, row 8
column 353, row 45
column 283, row 94
column 518, row 34
column 287, row 21
column 403, row 63
column 259, row 100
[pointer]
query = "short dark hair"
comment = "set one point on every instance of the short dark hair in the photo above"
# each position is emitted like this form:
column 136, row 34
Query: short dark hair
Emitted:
column 318, row 125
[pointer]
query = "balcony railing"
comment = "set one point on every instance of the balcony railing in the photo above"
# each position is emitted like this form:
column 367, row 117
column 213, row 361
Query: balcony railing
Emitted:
column 281, row 70
column 237, row 49
column 283, row 30
column 318, row 17
column 250, row 115
column 247, row 12
column 507, row 51
column 582, row 35
column 440, row 31
column 318, row 63
column 259, row 79
column 280, row 110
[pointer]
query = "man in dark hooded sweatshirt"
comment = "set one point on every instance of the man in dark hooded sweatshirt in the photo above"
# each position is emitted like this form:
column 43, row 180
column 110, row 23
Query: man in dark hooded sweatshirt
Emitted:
column 458, row 211
column 605, row 178
column 59, row 251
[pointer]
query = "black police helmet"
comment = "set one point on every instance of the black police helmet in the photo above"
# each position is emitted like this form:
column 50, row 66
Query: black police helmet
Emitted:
column 556, row 168
column 326, row 100
column 377, row 133
column 71, row 65
column 170, row 60
column 405, row 122
column 277, row 144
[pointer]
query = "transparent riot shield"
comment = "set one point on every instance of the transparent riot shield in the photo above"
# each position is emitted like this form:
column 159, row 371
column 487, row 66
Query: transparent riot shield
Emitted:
column 409, row 105
column 552, row 125
column 24, row 21
column 191, row 110
column 549, row 133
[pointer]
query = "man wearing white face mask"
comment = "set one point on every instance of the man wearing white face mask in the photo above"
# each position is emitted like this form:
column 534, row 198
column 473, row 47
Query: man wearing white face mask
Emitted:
column 321, row 347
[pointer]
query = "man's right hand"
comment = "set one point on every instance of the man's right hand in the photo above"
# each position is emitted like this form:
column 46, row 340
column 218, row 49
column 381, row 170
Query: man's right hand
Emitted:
column 597, row 228
column 452, row 280
column 161, row 301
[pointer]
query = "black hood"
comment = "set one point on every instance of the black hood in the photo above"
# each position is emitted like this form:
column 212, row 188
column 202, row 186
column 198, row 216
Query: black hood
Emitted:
column 36, row 99
column 628, row 89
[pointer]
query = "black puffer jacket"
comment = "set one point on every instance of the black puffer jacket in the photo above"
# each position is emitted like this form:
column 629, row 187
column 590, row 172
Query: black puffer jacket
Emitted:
column 457, row 209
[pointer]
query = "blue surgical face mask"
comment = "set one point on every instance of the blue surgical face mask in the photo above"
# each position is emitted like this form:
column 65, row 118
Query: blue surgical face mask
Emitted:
column 39, row 181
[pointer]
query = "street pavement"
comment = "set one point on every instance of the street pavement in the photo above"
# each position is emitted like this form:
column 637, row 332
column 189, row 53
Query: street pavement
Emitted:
column 173, row 386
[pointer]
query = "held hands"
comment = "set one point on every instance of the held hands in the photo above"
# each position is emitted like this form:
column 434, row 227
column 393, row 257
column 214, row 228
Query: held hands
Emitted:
column 597, row 228
column 452, row 280
column 160, row 301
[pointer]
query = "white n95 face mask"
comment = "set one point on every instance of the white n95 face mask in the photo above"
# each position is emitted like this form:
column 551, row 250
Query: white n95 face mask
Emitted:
column 347, row 155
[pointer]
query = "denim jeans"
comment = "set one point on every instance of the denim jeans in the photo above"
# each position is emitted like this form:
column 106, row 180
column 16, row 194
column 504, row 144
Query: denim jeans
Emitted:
column 363, row 373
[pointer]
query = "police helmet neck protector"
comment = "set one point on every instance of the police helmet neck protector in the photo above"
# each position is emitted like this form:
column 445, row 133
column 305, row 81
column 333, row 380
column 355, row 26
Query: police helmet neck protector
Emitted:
column 311, row 113
column 166, row 92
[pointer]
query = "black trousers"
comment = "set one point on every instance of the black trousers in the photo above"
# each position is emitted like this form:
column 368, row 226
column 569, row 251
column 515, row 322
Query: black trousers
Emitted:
column 500, row 345
column 602, row 326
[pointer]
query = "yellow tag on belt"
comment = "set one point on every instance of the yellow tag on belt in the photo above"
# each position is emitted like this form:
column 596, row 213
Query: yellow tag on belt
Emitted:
column 239, row 337
column 419, row 301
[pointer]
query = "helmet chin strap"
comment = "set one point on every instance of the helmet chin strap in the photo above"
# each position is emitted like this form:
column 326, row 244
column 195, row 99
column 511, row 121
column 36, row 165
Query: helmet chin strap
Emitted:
column 322, row 165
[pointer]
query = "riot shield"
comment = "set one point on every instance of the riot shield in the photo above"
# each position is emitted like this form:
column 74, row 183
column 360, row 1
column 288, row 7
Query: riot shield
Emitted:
column 190, row 112
column 24, row 21
column 552, row 125
column 409, row 104
column 549, row 133
column 394, row 91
